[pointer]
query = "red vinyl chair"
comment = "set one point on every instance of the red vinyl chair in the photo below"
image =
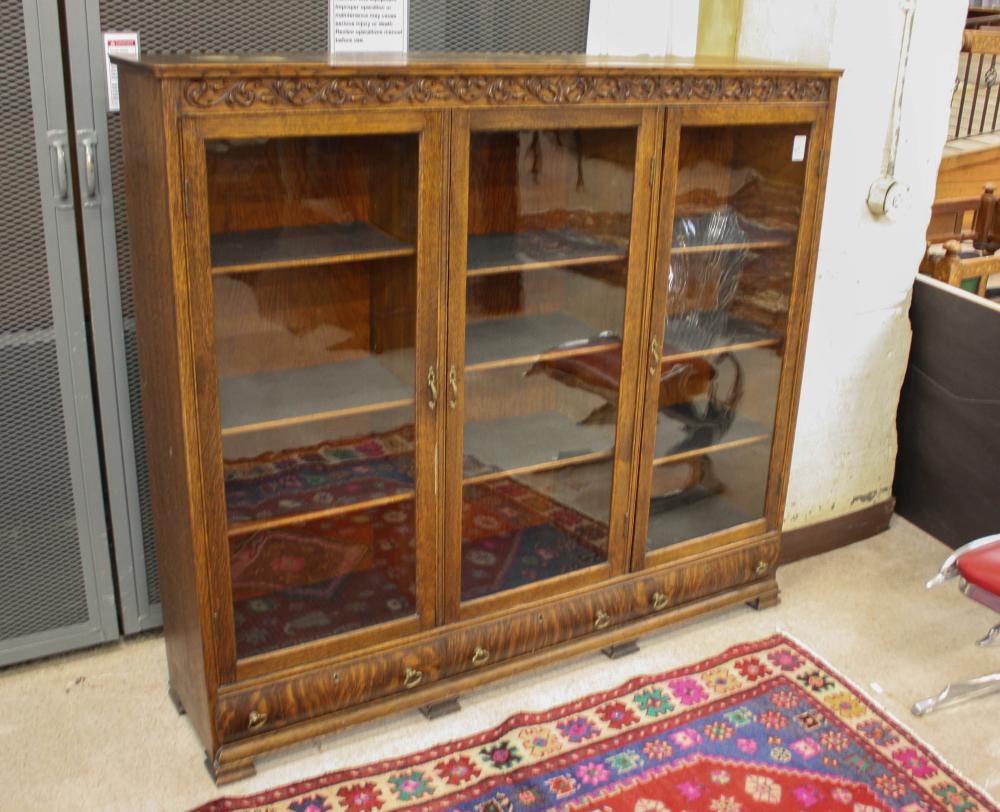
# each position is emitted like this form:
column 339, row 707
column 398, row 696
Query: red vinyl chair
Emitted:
column 978, row 564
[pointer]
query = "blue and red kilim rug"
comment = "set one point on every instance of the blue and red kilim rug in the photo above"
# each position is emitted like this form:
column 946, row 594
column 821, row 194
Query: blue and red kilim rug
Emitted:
column 762, row 726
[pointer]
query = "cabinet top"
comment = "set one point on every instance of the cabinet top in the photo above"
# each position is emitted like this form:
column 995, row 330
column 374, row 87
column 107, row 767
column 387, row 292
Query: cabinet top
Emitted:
column 450, row 64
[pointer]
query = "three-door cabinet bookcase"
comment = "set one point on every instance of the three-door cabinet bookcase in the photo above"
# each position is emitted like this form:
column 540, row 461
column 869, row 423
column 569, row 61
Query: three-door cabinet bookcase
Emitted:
column 456, row 366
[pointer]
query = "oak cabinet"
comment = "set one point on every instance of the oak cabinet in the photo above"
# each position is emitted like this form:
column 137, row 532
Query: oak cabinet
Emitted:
column 456, row 366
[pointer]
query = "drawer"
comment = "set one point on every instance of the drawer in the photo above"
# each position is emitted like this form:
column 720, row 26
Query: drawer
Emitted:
column 469, row 647
column 269, row 705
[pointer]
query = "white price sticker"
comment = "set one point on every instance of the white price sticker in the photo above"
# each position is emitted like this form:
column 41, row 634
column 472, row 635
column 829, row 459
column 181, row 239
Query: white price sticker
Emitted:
column 799, row 148
column 118, row 43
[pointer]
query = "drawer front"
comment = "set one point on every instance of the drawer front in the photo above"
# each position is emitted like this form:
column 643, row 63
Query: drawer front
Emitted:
column 275, row 704
column 462, row 650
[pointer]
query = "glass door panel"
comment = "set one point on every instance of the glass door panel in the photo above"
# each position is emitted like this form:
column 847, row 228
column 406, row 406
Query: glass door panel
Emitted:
column 719, row 356
column 314, row 278
column 545, row 279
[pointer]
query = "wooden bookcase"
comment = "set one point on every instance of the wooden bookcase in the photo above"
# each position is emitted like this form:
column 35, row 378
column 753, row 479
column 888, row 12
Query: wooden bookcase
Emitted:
column 455, row 366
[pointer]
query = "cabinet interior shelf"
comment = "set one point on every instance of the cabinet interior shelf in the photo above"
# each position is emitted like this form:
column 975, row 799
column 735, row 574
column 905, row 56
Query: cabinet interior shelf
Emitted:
column 323, row 244
column 756, row 245
column 706, row 333
column 242, row 528
column 519, row 340
column 535, row 250
column 671, row 357
column 261, row 401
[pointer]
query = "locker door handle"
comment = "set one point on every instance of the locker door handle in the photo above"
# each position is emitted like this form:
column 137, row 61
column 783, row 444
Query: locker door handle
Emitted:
column 88, row 140
column 57, row 145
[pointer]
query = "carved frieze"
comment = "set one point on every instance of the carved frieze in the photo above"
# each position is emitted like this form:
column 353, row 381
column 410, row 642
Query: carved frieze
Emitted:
column 497, row 90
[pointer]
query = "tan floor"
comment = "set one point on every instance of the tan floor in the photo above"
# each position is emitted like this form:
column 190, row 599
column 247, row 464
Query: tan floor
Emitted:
column 96, row 730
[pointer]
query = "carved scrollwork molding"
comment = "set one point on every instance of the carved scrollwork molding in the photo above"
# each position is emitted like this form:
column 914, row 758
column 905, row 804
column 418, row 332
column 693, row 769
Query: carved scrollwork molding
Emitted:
column 212, row 92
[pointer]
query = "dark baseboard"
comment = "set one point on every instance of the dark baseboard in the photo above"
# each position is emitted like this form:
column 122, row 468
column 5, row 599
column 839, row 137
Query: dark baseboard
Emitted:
column 822, row 537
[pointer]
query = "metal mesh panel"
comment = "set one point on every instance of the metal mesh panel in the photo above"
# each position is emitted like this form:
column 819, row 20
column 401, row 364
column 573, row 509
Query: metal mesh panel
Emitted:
column 530, row 26
column 25, row 303
column 141, row 465
column 41, row 572
column 42, row 585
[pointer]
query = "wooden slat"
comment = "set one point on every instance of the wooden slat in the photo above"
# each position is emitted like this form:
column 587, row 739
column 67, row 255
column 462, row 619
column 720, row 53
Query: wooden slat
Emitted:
column 742, row 346
column 324, row 244
column 711, row 449
column 242, row 528
column 548, row 465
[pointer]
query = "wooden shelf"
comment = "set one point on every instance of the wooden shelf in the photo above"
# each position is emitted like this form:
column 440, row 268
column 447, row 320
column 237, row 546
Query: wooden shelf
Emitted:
column 533, row 250
column 674, row 444
column 324, row 244
column 757, row 238
column 512, row 446
column 683, row 340
column 496, row 343
column 759, row 245
column 293, row 396
column 242, row 528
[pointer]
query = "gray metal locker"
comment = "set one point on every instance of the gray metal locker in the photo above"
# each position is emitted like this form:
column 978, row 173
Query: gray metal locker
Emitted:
column 222, row 26
column 56, row 585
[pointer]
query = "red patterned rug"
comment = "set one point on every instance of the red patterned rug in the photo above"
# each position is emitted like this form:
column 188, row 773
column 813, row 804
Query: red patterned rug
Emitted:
column 762, row 726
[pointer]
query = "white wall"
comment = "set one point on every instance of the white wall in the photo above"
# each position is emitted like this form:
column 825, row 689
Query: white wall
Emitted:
column 638, row 27
column 859, row 337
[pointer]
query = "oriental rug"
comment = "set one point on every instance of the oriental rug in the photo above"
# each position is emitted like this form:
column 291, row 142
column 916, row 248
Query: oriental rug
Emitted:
column 762, row 726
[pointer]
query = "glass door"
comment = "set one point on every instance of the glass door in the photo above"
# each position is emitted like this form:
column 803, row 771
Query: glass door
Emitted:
column 548, row 224
column 322, row 336
column 724, row 294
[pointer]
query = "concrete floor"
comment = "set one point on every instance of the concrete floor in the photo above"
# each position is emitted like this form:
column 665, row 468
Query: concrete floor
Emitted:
column 96, row 731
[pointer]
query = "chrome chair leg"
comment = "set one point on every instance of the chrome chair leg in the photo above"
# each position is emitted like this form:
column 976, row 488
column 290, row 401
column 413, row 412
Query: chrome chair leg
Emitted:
column 958, row 692
column 991, row 636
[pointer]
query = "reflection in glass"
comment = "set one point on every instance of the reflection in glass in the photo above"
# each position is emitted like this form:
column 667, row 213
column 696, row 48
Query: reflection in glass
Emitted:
column 739, row 198
column 314, row 293
column 549, row 222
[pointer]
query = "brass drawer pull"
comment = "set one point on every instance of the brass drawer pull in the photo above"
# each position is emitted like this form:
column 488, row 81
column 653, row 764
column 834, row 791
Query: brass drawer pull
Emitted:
column 601, row 619
column 480, row 656
column 256, row 719
column 660, row 601
column 761, row 568
column 413, row 677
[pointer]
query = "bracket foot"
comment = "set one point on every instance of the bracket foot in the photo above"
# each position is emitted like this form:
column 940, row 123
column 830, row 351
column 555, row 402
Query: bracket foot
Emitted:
column 620, row 649
column 438, row 709
column 228, row 773
column 178, row 705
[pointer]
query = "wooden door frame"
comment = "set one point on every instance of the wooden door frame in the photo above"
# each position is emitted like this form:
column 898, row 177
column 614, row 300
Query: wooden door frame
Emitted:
column 679, row 117
column 647, row 121
column 429, row 126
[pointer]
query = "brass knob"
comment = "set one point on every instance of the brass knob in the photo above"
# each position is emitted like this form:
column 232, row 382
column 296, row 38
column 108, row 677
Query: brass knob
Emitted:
column 761, row 568
column 480, row 656
column 256, row 719
column 659, row 601
column 601, row 619
column 412, row 677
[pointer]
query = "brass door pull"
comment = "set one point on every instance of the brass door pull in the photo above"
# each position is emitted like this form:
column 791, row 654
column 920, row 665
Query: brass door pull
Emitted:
column 601, row 619
column 654, row 357
column 256, row 719
column 412, row 677
column 432, row 385
column 761, row 568
column 453, row 386
column 480, row 656
column 659, row 601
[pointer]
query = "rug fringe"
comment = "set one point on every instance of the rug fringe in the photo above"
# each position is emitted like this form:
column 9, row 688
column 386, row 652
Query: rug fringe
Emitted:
column 867, row 696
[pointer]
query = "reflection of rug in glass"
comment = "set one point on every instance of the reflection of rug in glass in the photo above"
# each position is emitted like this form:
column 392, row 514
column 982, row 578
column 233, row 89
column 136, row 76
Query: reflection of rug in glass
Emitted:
column 762, row 726
column 513, row 535
column 304, row 581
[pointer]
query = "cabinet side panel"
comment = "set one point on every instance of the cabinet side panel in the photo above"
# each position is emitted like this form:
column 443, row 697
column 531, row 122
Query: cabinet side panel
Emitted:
column 164, row 360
